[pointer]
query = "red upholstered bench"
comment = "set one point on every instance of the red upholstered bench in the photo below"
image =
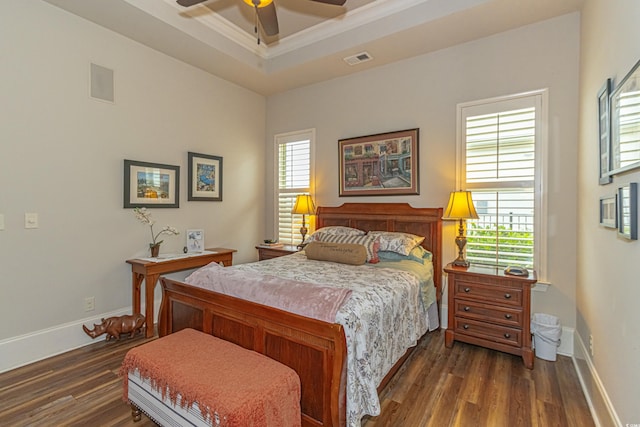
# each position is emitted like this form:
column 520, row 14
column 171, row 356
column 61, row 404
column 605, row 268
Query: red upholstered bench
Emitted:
column 193, row 378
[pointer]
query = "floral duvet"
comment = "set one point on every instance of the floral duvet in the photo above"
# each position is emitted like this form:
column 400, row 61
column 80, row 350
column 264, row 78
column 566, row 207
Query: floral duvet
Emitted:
column 383, row 299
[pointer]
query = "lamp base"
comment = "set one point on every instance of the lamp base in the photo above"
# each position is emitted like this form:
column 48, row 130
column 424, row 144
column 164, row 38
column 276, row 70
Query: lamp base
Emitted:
column 461, row 263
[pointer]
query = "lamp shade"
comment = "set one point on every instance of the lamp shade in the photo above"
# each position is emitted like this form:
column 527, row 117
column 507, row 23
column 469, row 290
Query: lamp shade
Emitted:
column 460, row 206
column 304, row 205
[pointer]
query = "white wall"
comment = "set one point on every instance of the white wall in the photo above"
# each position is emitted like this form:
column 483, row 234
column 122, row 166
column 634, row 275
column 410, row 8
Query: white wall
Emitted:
column 61, row 156
column 423, row 92
column 608, row 288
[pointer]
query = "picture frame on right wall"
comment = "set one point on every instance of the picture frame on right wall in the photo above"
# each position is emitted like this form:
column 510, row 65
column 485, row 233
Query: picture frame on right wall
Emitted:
column 604, row 133
column 628, row 211
column 625, row 123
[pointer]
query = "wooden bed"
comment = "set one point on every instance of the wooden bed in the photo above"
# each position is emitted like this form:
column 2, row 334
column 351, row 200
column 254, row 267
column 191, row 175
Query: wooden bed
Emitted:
column 316, row 350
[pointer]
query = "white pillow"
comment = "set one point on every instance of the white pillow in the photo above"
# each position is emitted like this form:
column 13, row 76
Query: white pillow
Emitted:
column 401, row 243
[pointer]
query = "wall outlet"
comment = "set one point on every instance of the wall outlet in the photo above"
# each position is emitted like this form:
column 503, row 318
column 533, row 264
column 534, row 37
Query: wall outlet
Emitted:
column 591, row 344
column 89, row 304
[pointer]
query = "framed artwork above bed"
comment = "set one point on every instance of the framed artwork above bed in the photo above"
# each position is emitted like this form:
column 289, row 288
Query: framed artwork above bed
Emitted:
column 379, row 165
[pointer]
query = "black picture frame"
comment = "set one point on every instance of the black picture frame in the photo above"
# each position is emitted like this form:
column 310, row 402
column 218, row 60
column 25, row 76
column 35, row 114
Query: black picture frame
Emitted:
column 628, row 211
column 609, row 211
column 384, row 164
column 151, row 185
column 205, row 178
column 604, row 132
column 625, row 123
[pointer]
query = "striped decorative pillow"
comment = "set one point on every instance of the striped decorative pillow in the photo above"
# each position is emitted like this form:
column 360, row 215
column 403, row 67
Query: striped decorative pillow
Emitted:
column 370, row 243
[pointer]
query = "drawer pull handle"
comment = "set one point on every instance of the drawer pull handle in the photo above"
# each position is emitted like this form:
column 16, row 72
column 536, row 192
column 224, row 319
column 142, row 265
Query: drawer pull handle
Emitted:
column 507, row 316
column 507, row 336
column 467, row 308
column 467, row 290
column 465, row 326
column 507, row 296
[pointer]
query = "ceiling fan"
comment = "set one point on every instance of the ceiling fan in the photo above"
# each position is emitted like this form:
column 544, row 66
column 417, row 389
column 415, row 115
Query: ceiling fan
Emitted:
column 265, row 12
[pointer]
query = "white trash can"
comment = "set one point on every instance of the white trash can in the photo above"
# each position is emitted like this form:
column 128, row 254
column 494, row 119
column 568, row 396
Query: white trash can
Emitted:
column 546, row 330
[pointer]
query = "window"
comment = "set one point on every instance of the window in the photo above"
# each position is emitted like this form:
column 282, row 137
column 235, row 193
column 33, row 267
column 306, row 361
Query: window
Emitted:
column 501, row 158
column 294, row 176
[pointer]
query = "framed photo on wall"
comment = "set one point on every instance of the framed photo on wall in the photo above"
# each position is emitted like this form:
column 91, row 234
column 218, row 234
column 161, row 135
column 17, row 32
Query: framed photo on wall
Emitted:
column 151, row 185
column 609, row 211
column 379, row 165
column 205, row 178
column 625, row 123
column 604, row 133
column 628, row 211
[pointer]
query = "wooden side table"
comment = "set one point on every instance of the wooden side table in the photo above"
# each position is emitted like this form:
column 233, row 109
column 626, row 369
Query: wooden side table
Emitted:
column 268, row 252
column 150, row 271
column 491, row 309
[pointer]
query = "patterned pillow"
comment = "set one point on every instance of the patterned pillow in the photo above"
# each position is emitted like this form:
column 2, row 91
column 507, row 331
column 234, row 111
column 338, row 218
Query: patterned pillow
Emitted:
column 401, row 243
column 370, row 243
column 336, row 230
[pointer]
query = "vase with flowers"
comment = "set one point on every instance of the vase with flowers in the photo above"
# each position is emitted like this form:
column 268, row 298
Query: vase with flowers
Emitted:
column 144, row 216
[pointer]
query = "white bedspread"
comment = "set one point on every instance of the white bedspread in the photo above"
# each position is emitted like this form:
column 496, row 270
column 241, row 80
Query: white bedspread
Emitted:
column 383, row 317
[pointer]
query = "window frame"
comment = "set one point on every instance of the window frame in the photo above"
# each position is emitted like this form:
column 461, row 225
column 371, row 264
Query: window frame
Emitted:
column 540, row 100
column 285, row 138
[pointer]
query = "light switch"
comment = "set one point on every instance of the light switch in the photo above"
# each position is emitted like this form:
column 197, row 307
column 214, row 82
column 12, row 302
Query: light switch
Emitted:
column 30, row 220
column 1, row 222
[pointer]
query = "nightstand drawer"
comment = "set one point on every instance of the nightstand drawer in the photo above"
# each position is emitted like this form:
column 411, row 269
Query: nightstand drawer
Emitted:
column 490, row 293
column 488, row 331
column 489, row 313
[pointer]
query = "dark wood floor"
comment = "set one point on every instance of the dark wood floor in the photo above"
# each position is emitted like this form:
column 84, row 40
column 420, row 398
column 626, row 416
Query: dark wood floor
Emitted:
column 463, row 386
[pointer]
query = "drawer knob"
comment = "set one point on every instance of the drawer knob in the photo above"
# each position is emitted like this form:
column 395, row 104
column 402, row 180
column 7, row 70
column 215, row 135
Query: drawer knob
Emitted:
column 507, row 296
column 507, row 316
column 467, row 308
column 465, row 326
column 507, row 336
column 467, row 290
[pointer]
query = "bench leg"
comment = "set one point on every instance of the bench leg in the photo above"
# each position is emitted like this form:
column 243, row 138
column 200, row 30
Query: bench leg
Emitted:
column 136, row 414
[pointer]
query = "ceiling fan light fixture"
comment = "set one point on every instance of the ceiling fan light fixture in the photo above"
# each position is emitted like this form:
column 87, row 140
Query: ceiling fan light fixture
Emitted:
column 258, row 3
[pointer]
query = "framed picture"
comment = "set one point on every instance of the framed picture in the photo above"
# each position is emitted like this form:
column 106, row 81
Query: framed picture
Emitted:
column 151, row 185
column 195, row 240
column 625, row 123
column 379, row 165
column 628, row 211
column 603, row 127
column 609, row 211
column 205, row 178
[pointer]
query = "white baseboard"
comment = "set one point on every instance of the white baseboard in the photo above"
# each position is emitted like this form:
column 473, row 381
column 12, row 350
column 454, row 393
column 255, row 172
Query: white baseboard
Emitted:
column 32, row 347
column 602, row 410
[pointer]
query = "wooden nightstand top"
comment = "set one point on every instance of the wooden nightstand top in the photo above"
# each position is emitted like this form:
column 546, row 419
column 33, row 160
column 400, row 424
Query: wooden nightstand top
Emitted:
column 486, row 270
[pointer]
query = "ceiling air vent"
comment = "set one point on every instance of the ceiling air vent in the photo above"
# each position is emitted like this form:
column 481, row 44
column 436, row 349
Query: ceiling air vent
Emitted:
column 358, row 58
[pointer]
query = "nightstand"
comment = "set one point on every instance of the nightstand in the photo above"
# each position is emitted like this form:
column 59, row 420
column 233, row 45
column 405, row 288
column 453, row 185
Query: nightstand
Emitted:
column 268, row 252
column 491, row 309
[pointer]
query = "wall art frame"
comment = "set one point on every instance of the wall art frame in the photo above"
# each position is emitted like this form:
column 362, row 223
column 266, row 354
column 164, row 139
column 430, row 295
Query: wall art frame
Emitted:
column 604, row 132
column 625, row 123
column 609, row 211
column 151, row 185
column 195, row 240
column 628, row 211
column 205, row 177
column 383, row 164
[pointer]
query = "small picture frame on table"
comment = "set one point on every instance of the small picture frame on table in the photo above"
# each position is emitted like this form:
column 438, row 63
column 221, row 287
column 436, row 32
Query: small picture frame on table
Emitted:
column 609, row 211
column 195, row 240
column 628, row 211
column 604, row 133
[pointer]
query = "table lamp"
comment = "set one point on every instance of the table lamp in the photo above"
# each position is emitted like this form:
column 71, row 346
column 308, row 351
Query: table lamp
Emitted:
column 460, row 207
column 303, row 206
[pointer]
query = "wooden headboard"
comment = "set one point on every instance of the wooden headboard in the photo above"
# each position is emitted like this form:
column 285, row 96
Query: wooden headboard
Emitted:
column 401, row 217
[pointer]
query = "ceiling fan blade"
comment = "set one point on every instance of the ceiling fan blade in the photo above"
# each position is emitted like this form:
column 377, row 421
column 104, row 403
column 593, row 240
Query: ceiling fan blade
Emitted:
column 333, row 2
column 187, row 3
column 268, row 19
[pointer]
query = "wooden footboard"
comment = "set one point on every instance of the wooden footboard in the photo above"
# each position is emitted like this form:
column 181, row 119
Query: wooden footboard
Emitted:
column 316, row 350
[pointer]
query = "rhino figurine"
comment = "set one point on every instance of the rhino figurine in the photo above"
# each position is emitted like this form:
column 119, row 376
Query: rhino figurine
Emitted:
column 116, row 326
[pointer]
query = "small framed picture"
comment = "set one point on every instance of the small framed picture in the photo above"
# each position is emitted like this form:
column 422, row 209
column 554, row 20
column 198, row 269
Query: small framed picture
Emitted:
column 205, row 178
column 628, row 211
column 151, row 185
column 195, row 241
column 609, row 211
